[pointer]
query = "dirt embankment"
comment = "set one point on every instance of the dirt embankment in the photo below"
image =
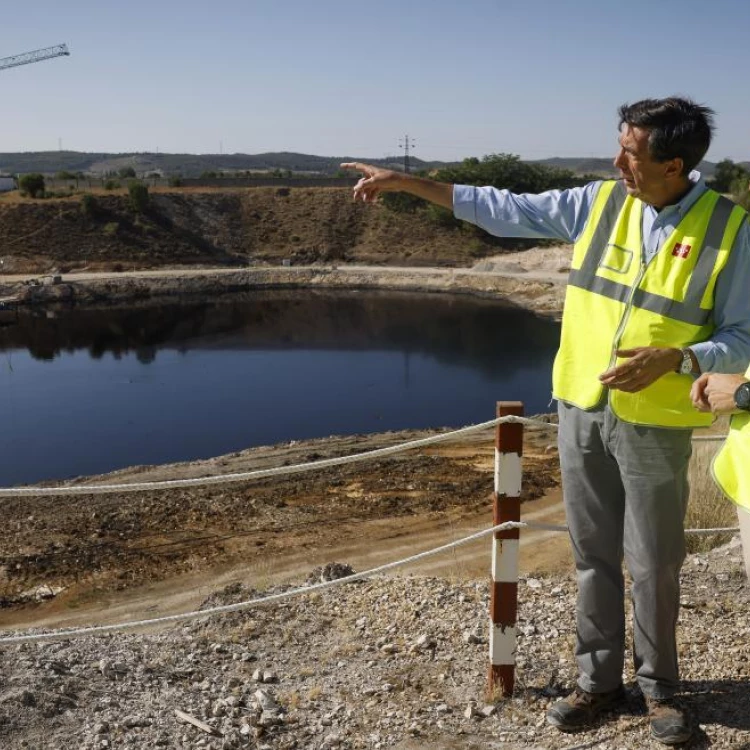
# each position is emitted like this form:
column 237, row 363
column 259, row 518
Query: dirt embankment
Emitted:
column 228, row 227
column 90, row 547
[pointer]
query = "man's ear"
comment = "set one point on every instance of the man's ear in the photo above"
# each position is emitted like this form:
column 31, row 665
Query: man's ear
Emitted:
column 674, row 168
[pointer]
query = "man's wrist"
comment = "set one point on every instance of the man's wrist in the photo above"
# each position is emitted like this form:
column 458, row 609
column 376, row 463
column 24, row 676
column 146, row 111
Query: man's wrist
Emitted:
column 686, row 363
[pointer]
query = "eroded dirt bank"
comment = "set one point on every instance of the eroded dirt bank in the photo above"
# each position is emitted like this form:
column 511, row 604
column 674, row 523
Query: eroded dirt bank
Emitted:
column 224, row 227
column 532, row 279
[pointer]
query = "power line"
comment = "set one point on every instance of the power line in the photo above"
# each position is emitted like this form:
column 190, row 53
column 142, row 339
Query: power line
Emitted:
column 406, row 144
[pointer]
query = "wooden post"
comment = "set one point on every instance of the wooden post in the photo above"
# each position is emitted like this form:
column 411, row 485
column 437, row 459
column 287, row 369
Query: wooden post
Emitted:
column 507, row 507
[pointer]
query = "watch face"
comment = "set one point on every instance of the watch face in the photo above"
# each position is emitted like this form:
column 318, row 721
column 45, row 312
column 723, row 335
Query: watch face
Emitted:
column 687, row 363
column 742, row 397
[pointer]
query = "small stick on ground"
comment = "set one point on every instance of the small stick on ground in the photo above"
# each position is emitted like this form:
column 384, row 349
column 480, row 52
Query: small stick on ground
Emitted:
column 196, row 723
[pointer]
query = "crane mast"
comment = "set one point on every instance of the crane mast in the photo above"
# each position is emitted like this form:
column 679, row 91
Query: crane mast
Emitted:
column 36, row 55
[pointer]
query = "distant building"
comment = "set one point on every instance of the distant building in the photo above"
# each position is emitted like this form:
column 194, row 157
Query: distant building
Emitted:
column 6, row 184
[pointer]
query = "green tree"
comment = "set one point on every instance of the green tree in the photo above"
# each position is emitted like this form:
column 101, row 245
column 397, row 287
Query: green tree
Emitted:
column 726, row 174
column 139, row 197
column 126, row 173
column 65, row 175
column 507, row 171
column 32, row 184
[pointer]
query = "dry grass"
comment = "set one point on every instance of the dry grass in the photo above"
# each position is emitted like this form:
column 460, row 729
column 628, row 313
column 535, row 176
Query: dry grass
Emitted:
column 708, row 508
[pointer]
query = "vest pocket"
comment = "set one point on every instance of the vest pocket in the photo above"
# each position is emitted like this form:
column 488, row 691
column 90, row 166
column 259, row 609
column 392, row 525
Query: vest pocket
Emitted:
column 616, row 258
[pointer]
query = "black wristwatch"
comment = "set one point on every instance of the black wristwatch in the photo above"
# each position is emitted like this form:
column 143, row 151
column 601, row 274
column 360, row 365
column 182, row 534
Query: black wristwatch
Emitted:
column 742, row 397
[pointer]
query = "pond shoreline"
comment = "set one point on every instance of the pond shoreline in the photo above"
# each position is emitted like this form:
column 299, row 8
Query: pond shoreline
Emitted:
column 539, row 292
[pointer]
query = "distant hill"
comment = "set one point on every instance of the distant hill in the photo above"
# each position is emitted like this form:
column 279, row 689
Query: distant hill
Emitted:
column 605, row 167
column 188, row 165
column 194, row 165
column 580, row 165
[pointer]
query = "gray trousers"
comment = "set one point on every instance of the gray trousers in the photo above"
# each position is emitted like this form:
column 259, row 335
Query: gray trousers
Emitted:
column 625, row 490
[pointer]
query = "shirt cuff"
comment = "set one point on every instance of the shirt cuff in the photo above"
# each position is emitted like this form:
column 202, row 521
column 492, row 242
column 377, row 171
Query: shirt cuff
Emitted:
column 705, row 354
column 465, row 203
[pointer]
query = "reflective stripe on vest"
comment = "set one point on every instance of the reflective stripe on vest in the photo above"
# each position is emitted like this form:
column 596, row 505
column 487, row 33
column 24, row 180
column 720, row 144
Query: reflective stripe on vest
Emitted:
column 615, row 301
column 731, row 467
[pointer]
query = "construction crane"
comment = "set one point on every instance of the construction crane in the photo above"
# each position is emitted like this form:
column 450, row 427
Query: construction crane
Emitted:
column 36, row 55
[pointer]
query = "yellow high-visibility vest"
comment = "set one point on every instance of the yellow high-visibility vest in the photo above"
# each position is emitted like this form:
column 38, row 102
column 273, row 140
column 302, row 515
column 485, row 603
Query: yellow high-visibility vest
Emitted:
column 731, row 467
column 615, row 301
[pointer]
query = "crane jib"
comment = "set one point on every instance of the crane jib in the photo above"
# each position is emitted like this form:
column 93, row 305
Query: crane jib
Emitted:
column 36, row 55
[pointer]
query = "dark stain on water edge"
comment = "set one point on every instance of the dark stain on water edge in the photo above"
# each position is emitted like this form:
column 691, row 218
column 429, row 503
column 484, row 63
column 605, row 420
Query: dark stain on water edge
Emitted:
column 88, row 391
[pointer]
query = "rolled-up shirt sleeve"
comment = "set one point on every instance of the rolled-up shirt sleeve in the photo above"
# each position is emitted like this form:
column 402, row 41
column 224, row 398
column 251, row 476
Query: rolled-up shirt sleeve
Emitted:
column 554, row 215
column 728, row 349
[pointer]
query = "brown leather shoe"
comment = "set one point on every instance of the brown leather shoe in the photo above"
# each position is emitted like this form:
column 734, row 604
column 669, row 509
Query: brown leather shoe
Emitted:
column 670, row 722
column 580, row 708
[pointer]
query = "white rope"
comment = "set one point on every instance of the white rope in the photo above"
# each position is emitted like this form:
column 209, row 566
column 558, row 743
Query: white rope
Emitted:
column 26, row 637
column 104, row 489
column 108, row 489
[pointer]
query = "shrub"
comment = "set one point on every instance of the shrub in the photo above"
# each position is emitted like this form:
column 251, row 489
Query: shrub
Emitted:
column 126, row 173
column 402, row 203
column 175, row 182
column 89, row 206
column 138, row 193
column 32, row 184
column 442, row 216
column 111, row 185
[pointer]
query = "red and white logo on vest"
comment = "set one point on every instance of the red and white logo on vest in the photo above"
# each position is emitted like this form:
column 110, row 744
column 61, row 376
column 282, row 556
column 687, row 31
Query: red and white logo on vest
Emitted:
column 681, row 251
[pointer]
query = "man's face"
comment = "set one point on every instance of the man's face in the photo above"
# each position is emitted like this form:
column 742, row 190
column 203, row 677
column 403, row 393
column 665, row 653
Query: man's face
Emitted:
column 644, row 178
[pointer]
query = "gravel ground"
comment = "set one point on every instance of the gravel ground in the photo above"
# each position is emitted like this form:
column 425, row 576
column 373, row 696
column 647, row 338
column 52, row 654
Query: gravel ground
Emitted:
column 395, row 662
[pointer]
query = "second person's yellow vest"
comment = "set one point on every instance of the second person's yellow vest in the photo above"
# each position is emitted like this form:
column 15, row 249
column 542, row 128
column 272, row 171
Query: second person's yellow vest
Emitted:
column 731, row 467
column 615, row 301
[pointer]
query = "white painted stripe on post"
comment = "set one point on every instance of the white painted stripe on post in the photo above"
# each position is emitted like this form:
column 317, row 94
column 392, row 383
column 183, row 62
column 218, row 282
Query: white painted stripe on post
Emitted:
column 507, row 474
column 505, row 560
column 502, row 645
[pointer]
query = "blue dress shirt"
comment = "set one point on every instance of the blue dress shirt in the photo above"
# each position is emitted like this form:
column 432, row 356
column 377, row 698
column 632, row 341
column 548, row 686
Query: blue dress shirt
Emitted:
column 562, row 215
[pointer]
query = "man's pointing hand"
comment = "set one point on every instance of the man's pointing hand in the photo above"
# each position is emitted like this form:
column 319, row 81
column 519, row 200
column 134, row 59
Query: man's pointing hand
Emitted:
column 374, row 180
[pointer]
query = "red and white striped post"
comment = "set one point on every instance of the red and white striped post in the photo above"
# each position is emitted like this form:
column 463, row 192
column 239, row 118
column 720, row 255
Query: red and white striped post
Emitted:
column 507, row 507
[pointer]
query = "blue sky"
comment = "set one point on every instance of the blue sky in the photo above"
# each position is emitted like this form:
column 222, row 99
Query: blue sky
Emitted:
column 339, row 78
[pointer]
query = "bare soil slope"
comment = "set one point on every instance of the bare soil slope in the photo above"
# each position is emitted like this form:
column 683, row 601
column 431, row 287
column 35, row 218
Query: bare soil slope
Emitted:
column 214, row 227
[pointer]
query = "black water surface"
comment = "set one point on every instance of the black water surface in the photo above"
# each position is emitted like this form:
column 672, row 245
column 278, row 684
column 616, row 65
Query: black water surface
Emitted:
column 88, row 391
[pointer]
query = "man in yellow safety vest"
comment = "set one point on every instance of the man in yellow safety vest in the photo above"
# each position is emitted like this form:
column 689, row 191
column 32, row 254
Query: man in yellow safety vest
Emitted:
column 656, row 296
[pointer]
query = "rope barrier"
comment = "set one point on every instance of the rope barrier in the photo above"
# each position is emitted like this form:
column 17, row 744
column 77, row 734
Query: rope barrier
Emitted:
column 108, row 489
column 105, row 489
column 226, row 608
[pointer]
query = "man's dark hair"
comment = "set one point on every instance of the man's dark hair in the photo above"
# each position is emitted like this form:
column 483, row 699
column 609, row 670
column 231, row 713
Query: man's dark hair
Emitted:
column 678, row 128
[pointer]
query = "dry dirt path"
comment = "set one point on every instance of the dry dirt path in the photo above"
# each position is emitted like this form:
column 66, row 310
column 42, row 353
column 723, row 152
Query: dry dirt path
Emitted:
column 537, row 264
column 533, row 279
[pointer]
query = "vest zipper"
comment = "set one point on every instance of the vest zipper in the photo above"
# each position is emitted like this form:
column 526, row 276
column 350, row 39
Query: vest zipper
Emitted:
column 626, row 314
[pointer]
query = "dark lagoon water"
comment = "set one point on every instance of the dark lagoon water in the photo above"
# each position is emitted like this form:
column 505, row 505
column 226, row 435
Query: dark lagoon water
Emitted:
column 83, row 392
